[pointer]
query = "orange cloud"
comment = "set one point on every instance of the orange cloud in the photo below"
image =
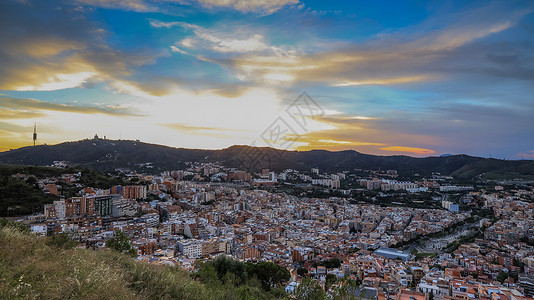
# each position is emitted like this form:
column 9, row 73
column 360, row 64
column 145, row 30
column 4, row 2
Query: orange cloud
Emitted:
column 408, row 150
column 331, row 144
column 527, row 155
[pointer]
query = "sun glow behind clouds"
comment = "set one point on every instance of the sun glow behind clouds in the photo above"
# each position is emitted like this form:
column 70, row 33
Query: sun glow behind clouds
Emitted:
column 201, row 119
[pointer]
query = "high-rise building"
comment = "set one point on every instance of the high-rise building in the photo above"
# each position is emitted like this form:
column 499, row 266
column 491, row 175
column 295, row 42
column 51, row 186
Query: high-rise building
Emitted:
column 103, row 205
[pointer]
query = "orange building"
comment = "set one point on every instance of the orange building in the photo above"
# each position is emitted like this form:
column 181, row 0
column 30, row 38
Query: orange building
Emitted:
column 145, row 246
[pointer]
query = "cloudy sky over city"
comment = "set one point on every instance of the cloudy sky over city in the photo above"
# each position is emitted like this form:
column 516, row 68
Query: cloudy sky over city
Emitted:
column 415, row 78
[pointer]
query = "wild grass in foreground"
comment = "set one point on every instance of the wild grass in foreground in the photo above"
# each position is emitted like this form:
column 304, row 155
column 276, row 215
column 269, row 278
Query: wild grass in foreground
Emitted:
column 33, row 267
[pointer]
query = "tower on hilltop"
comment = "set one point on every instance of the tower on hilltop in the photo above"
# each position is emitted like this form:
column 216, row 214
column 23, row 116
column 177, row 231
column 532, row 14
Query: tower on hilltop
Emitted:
column 34, row 133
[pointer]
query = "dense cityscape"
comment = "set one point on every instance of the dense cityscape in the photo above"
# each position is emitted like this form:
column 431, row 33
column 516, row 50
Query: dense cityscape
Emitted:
column 267, row 149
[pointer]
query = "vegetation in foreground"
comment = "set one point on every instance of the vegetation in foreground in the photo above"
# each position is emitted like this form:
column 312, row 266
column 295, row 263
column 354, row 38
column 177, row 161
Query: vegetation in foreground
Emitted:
column 34, row 267
column 45, row 268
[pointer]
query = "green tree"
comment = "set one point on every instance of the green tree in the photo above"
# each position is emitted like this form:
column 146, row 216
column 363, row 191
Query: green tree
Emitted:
column 309, row 290
column 207, row 274
column 32, row 181
column 269, row 273
column 121, row 243
column 332, row 263
column 502, row 276
column 302, row 271
column 224, row 265
column 346, row 291
column 330, row 279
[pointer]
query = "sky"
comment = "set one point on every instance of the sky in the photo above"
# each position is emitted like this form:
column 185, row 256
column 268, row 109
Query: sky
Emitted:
column 418, row 78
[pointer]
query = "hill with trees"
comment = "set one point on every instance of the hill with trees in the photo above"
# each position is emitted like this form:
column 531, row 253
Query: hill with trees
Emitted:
column 103, row 154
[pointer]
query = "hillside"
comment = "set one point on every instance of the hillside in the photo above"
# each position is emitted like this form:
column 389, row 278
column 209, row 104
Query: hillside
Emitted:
column 34, row 267
column 110, row 154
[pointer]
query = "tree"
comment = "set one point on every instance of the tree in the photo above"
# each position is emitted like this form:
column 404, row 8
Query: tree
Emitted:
column 332, row 263
column 345, row 292
column 207, row 274
column 121, row 243
column 269, row 273
column 309, row 290
column 302, row 271
column 32, row 181
column 224, row 264
column 330, row 279
column 502, row 276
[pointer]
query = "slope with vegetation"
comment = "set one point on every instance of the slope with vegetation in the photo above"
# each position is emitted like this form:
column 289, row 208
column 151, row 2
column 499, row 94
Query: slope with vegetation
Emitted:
column 52, row 268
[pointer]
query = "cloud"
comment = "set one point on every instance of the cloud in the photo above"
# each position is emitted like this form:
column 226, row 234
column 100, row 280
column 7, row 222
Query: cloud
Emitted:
column 59, row 48
column 161, row 24
column 411, row 150
column 6, row 114
column 217, row 41
column 385, row 81
column 33, row 108
column 198, row 130
column 263, row 7
column 134, row 5
column 176, row 49
column 526, row 155
column 425, row 52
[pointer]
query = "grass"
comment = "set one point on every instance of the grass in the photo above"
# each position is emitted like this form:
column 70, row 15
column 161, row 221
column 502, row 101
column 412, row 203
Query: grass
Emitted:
column 31, row 268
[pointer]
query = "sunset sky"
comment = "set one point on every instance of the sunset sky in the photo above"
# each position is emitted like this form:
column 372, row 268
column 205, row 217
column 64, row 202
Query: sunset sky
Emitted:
column 417, row 78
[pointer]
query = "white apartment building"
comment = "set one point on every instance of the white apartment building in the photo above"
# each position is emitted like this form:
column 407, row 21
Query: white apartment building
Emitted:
column 191, row 248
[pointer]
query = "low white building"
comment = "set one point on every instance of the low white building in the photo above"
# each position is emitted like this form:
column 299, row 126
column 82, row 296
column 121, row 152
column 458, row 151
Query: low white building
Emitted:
column 39, row 229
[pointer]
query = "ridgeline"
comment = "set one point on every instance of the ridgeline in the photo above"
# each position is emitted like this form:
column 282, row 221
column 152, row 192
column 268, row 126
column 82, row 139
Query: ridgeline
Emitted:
column 104, row 154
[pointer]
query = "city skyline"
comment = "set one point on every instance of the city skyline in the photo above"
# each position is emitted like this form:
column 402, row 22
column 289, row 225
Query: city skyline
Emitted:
column 419, row 79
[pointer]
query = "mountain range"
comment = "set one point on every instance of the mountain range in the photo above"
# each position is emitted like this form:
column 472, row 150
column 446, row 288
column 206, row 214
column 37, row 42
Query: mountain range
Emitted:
column 104, row 154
